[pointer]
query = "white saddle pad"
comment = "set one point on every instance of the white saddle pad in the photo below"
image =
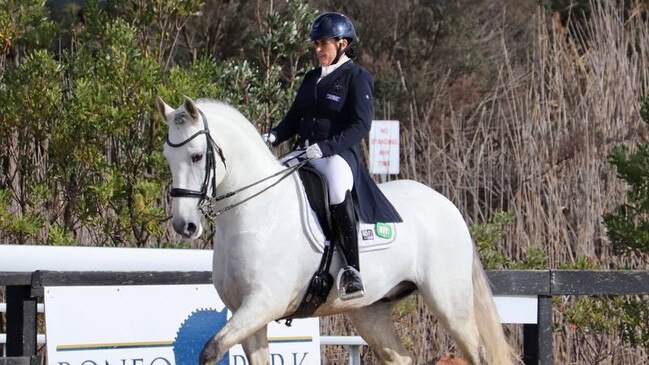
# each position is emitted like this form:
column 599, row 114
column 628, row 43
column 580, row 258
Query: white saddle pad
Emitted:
column 370, row 236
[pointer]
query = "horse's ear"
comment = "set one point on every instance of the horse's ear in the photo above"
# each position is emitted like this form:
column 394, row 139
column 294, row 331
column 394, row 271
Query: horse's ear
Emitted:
column 191, row 108
column 164, row 109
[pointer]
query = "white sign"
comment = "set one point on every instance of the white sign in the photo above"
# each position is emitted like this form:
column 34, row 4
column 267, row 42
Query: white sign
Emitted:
column 155, row 325
column 384, row 147
column 517, row 308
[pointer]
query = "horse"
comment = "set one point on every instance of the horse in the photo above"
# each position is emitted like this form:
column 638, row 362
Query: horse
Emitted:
column 262, row 261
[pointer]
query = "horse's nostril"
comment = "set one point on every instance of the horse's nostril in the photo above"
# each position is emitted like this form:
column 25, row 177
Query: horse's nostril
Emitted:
column 191, row 228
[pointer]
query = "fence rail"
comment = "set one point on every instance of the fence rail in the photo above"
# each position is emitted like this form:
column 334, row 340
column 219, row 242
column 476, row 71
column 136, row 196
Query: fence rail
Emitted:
column 40, row 339
column 23, row 289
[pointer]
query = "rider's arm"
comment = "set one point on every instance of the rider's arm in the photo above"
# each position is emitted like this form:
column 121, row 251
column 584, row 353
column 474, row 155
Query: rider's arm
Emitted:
column 290, row 125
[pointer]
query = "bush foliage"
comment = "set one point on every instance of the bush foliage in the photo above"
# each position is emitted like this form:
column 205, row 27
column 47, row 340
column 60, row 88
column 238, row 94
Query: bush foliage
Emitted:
column 77, row 114
column 628, row 228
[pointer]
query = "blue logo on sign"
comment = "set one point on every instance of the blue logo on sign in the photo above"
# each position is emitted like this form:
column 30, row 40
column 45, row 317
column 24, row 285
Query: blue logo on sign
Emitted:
column 194, row 333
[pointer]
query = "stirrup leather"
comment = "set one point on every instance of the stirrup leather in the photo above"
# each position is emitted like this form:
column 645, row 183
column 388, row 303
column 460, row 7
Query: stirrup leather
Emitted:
column 344, row 295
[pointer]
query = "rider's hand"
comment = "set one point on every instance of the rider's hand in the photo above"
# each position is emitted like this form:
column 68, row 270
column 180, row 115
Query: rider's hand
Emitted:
column 269, row 137
column 313, row 151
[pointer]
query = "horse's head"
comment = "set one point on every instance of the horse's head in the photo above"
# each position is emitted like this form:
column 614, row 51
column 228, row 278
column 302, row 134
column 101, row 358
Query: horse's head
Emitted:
column 193, row 157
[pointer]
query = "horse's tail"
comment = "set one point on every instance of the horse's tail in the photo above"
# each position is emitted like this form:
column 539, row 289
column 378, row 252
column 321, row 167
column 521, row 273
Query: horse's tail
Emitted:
column 496, row 349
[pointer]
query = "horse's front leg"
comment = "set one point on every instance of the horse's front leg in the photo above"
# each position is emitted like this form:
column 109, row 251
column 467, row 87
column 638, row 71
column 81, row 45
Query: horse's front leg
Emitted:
column 256, row 347
column 249, row 320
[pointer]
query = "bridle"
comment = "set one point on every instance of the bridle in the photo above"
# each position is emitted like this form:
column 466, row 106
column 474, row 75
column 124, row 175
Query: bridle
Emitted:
column 207, row 202
column 210, row 166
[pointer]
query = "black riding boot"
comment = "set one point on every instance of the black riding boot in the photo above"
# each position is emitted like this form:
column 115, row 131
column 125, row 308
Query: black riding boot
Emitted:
column 346, row 237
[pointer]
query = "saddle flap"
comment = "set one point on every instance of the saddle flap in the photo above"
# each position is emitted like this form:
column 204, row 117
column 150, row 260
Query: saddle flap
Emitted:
column 315, row 186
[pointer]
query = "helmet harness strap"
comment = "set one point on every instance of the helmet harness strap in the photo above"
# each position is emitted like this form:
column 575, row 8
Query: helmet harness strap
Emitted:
column 339, row 51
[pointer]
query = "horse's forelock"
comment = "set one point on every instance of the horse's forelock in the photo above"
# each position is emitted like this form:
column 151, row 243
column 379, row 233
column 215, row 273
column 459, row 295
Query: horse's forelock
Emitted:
column 180, row 117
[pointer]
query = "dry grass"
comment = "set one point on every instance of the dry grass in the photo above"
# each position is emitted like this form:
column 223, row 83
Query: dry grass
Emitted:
column 536, row 146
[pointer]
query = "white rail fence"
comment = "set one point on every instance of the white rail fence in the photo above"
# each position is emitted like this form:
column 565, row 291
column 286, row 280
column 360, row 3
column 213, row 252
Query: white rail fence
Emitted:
column 523, row 296
column 40, row 339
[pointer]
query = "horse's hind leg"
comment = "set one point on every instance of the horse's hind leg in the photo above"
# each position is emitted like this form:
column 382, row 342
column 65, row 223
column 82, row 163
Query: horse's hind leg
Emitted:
column 374, row 324
column 452, row 304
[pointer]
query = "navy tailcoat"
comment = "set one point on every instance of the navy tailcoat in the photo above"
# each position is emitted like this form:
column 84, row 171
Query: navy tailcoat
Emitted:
column 337, row 114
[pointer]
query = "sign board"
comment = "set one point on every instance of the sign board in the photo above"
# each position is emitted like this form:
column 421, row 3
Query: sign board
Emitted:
column 155, row 325
column 384, row 147
column 517, row 308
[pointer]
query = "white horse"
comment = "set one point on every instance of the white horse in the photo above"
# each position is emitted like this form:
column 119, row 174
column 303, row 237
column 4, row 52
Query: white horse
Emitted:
column 263, row 261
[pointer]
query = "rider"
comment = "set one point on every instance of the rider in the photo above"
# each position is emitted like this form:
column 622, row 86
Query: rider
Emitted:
column 331, row 114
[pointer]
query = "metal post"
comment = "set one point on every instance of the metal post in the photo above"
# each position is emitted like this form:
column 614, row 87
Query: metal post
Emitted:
column 354, row 355
column 353, row 343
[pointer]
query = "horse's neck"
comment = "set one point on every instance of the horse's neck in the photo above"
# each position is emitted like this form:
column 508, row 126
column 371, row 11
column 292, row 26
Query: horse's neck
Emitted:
column 247, row 160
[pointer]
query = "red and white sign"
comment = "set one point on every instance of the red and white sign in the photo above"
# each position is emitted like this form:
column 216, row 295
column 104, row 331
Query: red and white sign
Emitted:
column 384, row 147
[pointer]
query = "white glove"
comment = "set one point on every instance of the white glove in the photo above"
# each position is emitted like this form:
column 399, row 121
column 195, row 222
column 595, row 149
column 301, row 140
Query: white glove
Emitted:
column 313, row 151
column 269, row 137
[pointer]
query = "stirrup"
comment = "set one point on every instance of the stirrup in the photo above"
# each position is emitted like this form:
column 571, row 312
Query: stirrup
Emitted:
column 352, row 295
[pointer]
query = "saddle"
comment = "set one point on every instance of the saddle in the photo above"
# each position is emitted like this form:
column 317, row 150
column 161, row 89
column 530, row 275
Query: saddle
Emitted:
column 375, row 236
column 317, row 221
column 315, row 186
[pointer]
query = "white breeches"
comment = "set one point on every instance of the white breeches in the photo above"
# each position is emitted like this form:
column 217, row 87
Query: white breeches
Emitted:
column 337, row 172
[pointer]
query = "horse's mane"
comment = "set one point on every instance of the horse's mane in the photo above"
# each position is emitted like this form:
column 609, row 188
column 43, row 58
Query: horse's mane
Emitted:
column 225, row 115
column 219, row 110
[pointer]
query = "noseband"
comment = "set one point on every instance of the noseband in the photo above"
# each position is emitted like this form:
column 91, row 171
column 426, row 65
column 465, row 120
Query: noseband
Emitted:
column 210, row 166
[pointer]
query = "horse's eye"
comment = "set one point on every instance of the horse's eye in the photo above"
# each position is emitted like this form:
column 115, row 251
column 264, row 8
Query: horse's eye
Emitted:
column 197, row 157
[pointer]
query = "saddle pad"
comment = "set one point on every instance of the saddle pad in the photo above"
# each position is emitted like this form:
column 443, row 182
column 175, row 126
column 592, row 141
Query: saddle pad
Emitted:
column 371, row 236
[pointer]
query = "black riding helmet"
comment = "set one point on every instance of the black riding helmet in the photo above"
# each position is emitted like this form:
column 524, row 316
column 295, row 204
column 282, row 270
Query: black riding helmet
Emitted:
column 332, row 25
column 335, row 26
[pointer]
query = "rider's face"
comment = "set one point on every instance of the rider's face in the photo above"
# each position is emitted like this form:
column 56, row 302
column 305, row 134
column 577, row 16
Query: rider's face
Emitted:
column 326, row 49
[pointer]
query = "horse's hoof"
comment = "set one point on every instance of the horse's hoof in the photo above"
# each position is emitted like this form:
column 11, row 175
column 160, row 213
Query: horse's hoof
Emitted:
column 207, row 356
column 202, row 360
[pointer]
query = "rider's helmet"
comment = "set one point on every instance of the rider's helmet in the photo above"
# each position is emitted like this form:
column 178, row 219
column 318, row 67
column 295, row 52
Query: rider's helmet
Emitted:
column 332, row 25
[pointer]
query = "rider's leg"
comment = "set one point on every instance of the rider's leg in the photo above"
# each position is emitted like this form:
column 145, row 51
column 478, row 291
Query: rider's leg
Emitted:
column 340, row 181
column 346, row 237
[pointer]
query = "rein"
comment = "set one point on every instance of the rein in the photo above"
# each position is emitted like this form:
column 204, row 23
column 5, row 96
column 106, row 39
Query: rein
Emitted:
column 210, row 210
column 207, row 202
